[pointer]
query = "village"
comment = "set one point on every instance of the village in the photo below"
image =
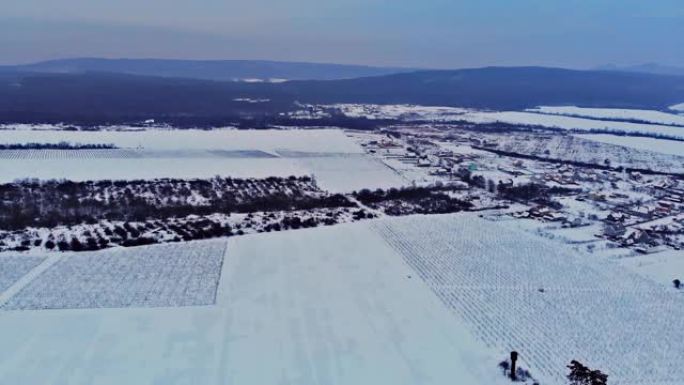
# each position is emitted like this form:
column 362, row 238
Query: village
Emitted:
column 622, row 211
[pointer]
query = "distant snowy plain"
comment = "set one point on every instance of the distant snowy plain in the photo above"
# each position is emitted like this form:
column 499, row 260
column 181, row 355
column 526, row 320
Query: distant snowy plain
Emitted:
column 338, row 163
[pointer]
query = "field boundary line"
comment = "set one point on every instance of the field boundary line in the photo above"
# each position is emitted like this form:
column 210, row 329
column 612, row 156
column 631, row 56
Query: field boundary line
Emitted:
column 217, row 290
column 25, row 280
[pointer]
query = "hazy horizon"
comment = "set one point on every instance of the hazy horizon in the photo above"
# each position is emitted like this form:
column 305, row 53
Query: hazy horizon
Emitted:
column 440, row 34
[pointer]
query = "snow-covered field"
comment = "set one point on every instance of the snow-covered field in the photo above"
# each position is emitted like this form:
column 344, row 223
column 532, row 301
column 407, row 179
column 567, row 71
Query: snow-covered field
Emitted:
column 662, row 267
column 413, row 300
column 571, row 123
column 147, row 168
column 663, row 146
column 338, row 163
column 650, row 116
column 562, row 117
column 328, row 141
column 551, row 304
column 593, row 149
column 131, row 154
column 168, row 275
column 332, row 305
column 351, row 173
column 14, row 267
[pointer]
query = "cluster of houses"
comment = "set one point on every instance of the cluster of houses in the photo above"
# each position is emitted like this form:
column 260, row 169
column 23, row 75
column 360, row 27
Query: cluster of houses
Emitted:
column 648, row 235
column 543, row 213
column 619, row 200
column 421, row 153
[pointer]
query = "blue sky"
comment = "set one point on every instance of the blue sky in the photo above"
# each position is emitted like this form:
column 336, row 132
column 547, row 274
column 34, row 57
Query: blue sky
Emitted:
column 426, row 33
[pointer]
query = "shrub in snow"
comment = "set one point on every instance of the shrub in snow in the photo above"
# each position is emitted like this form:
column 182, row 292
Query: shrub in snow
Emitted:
column 505, row 367
column 521, row 374
column 63, row 245
column 76, row 245
column 582, row 375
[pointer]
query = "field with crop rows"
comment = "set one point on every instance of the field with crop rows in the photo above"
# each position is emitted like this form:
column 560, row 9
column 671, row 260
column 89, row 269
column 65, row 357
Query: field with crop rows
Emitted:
column 14, row 267
column 150, row 276
column 68, row 154
column 519, row 292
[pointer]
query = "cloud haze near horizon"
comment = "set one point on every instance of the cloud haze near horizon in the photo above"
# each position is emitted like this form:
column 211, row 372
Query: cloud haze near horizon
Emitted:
column 429, row 33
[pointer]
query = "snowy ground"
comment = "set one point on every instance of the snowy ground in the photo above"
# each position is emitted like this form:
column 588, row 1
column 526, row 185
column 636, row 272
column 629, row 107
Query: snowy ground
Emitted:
column 562, row 117
column 14, row 267
column 169, row 275
column 663, row 146
column 546, row 301
column 149, row 168
column 662, row 267
column 650, row 116
column 351, row 173
column 338, row 162
column 328, row 141
column 352, row 304
column 583, row 148
column 332, row 305
column 570, row 123
column 416, row 300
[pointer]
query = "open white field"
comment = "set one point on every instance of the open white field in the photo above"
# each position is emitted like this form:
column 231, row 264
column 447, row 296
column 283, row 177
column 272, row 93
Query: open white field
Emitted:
column 661, row 267
column 335, row 159
column 571, row 123
column 147, row 168
column 325, row 306
column 613, row 113
column 521, row 292
column 326, row 141
column 351, row 173
column 132, row 154
column 663, row 146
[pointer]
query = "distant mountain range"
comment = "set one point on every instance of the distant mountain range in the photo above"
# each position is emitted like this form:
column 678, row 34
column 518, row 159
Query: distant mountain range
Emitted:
column 99, row 96
column 501, row 88
column 649, row 68
column 226, row 70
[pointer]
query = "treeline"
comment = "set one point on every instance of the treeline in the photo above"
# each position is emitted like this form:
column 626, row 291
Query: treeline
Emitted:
column 533, row 192
column 636, row 134
column 413, row 200
column 620, row 120
column 576, row 163
column 261, row 120
column 54, row 203
column 57, row 146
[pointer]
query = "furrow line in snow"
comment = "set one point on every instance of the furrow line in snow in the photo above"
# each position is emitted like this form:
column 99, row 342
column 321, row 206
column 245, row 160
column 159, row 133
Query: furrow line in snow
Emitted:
column 28, row 278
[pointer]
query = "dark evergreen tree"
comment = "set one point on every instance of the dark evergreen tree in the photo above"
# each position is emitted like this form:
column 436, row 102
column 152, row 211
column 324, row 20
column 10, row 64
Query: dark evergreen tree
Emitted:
column 582, row 375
